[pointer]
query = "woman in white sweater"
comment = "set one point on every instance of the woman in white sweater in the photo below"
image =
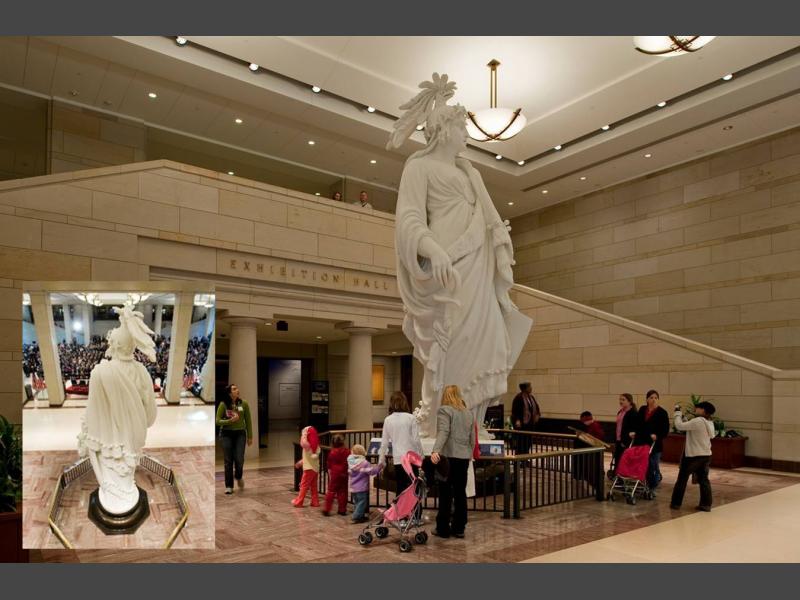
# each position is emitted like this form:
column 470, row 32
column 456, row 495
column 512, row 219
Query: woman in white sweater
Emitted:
column 696, row 455
column 401, row 430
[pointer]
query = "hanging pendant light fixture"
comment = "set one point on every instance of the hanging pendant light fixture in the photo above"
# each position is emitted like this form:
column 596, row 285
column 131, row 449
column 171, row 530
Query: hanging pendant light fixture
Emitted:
column 670, row 45
column 493, row 123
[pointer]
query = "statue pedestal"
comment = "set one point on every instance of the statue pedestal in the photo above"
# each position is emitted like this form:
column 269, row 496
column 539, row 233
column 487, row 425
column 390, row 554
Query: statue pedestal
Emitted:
column 124, row 523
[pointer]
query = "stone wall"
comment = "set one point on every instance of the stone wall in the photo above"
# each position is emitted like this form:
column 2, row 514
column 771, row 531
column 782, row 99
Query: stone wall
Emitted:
column 273, row 249
column 710, row 250
column 81, row 138
column 579, row 358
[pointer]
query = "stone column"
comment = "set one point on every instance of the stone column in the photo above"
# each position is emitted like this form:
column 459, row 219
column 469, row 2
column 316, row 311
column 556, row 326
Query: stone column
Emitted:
column 157, row 322
column 243, row 369
column 359, row 378
column 46, row 337
column 209, row 373
column 87, row 323
column 67, row 323
column 178, row 344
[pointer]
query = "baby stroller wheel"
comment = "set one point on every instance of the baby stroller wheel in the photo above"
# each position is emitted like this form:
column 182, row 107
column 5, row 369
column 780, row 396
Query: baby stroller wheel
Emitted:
column 610, row 496
column 381, row 531
column 405, row 546
column 421, row 537
column 631, row 500
column 365, row 538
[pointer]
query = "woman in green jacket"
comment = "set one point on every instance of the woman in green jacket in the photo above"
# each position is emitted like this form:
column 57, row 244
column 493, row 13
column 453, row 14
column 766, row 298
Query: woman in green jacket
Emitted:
column 236, row 427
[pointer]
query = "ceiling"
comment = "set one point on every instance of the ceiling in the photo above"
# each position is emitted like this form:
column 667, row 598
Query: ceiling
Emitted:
column 568, row 87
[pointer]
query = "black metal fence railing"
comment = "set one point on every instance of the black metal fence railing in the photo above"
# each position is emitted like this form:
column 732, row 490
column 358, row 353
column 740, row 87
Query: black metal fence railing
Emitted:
column 535, row 470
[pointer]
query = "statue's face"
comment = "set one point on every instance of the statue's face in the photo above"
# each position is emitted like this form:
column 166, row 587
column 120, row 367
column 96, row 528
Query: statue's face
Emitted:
column 457, row 136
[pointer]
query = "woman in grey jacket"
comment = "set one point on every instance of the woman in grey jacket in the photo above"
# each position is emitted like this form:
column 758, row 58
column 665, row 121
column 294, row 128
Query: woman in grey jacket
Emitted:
column 455, row 440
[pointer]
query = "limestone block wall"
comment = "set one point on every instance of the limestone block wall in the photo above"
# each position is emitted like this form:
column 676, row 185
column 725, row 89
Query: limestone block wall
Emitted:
column 81, row 138
column 579, row 358
column 709, row 250
column 164, row 220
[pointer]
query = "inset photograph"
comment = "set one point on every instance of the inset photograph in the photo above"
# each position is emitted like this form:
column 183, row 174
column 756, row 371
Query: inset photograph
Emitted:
column 118, row 418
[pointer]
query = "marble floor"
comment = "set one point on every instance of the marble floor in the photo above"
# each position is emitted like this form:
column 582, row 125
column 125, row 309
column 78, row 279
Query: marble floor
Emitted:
column 260, row 525
column 175, row 427
column 761, row 529
column 193, row 467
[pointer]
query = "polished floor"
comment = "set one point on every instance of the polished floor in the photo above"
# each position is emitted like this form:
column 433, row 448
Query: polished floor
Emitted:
column 175, row 427
column 260, row 525
column 192, row 467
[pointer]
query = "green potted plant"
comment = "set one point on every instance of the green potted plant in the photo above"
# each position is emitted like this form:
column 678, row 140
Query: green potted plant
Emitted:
column 10, row 493
column 727, row 446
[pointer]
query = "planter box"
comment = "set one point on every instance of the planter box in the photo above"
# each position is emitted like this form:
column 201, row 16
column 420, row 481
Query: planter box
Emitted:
column 726, row 453
column 11, row 538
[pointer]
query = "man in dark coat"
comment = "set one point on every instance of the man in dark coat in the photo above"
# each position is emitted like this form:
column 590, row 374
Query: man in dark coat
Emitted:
column 525, row 414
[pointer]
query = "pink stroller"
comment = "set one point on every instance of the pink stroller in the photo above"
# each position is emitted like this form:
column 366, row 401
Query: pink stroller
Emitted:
column 401, row 514
column 631, row 476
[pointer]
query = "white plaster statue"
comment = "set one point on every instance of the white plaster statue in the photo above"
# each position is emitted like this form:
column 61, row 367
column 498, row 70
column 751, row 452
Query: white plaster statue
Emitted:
column 454, row 258
column 121, row 407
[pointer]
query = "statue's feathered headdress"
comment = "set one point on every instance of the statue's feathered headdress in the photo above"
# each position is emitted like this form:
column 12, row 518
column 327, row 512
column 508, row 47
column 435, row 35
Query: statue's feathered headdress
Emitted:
column 132, row 333
column 434, row 93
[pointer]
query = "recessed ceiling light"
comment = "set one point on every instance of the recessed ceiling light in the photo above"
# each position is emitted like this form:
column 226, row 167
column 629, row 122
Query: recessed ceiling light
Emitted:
column 544, row 191
column 420, row 127
column 311, row 142
column 662, row 104
column 520, row 162
column 498, row 156
column 557, row 147
column 253, row 67
column 370, row 109
column 238, row 121
column 394, row 351
column 648, row 155
column 319, row 337
column 181, row 41
column 153, row 95
column 268, row 323
column 727, row 77
column 317, row 194
column 316, row 89
column 511, row 204
column 230, row 172
column 727, row 127
column 606, row 127
column 583, row 177
column 373, row 161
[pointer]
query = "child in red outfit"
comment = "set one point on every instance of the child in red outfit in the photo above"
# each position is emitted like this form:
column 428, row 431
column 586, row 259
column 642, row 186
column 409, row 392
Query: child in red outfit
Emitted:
column 309, row 441
column 337, row 476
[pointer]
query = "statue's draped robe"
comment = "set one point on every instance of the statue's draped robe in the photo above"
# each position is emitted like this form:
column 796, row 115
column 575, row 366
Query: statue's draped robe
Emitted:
column 468, row 334
column 121, row 407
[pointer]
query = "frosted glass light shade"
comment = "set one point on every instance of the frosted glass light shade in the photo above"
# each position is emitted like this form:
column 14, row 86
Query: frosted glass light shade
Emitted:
column 493, row 121
column 665, row 45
